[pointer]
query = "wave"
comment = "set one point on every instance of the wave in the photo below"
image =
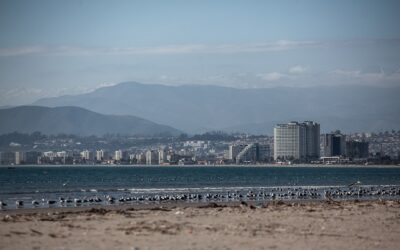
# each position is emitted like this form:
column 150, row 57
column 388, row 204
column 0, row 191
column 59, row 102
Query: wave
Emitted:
column 179, row 189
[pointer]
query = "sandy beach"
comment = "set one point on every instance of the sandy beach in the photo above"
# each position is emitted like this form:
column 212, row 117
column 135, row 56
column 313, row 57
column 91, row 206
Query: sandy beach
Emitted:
column 312, row 225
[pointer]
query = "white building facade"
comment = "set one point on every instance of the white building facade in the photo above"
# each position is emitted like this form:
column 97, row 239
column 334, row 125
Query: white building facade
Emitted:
column 152, row 157
column 296, row 141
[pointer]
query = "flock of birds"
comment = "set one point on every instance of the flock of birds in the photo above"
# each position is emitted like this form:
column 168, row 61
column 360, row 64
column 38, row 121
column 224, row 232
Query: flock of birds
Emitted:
column 352, row 191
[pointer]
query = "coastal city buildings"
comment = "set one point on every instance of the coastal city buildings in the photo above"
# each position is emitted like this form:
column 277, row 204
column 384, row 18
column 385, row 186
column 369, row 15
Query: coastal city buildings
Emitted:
column 19, row 157
column 334, row 144
column 87, row 155
column 357, row 149
column 253, row 153
column 312, row 139
column 101, row 155
column 140, row 158
column 296, row 141
column 289, row 141
column 118, row 155
column 7, row 158
column 161, row 156
column 223, row 149
column 234, row 150
column 151, row 157
column 32, row 157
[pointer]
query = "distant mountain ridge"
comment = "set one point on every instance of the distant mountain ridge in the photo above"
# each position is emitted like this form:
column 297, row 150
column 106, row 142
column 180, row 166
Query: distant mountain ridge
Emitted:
column 75, row 120
column 197, row 108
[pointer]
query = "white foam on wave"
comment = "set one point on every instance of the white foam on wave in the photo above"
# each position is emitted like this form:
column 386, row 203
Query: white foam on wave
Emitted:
column 242, row 188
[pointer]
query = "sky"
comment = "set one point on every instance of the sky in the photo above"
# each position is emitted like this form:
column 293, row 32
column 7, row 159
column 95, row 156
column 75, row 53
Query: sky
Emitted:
column 52, row 48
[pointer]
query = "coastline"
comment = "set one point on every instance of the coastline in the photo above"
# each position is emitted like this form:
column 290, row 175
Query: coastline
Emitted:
column 273, row 225
column 216, row 166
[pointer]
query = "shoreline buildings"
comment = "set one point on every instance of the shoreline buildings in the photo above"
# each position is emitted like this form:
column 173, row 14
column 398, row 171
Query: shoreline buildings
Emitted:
column 335, row 147
column 334, row 144
column 249, row 153
column 297, row 141
column 357, row 149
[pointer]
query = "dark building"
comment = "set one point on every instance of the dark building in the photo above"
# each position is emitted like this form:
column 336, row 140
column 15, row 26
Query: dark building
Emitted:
column 7, row 158
column 334, row 144
column 312, row 139
column 31, row 157
column 357, row 149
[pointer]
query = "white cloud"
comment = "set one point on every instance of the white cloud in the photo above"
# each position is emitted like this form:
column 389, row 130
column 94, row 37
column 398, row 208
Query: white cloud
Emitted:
column 18, row 51
column 370, row 78
column 159, row 50
column 270, row 77
column 280, row 45
column 15, row 95
column 346, row 73
column 298, row 69
column 102, row 85
column 21, row 92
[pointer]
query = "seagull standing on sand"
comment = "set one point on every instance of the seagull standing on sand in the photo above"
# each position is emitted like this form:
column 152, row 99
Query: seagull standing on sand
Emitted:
column 19, row 203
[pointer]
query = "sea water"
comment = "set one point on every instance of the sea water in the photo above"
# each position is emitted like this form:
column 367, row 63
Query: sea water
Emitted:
column 43, row 183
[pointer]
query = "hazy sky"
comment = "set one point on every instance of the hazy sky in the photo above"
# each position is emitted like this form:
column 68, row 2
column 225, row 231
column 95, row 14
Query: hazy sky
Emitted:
column 50, row 48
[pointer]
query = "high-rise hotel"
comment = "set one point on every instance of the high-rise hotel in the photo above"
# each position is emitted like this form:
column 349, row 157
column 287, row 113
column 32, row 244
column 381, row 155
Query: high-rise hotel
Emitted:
column 297, row 141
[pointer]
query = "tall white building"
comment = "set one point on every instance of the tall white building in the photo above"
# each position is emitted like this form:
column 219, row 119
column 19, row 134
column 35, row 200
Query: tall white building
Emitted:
column 51, row 155
column 19, row 158
column 87, row 155
column 101, row 155
column 296, row 141
column 162, row 157
column 151, row 157
column 141, row 158
column 62, row 154
column 119, row 155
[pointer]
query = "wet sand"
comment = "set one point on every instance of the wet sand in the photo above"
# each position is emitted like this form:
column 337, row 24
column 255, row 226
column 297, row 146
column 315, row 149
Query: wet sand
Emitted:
column 311, row 225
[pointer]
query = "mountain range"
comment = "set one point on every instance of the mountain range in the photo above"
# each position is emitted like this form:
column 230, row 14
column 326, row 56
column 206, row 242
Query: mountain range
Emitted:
column 75, row 120
column 199, row 108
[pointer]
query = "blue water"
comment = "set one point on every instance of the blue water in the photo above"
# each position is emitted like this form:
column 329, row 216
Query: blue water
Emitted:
column 38, row 182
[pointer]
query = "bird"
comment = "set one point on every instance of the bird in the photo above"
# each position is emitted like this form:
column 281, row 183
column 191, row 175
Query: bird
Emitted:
column 19, row 203
column 354, row 183
column 3, row 204
column 51, row 202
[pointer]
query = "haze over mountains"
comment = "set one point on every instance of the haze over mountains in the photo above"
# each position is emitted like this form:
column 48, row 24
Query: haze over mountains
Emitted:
column 75, row 120
column 196, row 108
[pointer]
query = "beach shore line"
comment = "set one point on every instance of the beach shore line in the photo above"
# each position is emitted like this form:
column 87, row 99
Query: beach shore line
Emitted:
column 272, row 225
